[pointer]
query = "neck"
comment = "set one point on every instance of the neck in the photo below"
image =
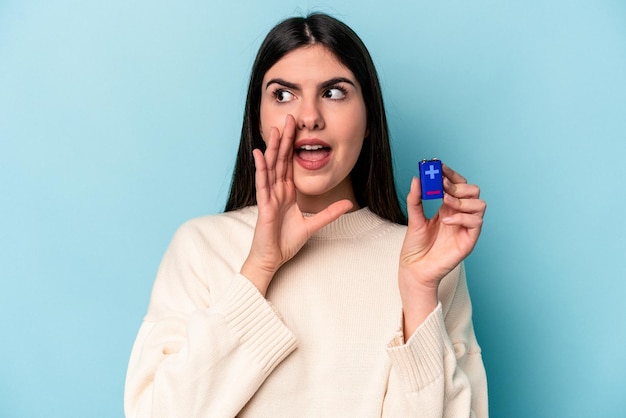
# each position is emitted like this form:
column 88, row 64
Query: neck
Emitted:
column 313, row 197
column 315, row 204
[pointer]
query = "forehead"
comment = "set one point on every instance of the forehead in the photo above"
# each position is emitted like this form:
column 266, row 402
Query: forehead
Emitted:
column 309, row 62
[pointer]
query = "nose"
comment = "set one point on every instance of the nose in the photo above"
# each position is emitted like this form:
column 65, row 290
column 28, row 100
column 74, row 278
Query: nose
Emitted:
column 310, row 115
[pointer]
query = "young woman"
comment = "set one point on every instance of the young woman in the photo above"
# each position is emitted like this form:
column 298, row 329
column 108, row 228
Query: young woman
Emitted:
column 310, row 296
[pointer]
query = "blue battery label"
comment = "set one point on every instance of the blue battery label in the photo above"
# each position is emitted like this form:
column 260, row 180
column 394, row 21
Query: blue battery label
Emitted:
column 431, row 178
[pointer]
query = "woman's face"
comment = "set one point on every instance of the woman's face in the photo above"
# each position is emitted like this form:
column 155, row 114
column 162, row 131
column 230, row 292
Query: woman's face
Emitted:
column 326, row 102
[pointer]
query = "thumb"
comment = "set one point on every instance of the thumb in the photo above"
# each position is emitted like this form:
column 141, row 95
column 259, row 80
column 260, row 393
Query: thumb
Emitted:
column 331, row 213
column 414, row 207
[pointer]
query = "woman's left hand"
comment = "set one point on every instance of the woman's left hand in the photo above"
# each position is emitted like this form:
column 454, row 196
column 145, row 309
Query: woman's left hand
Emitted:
column 433, row 247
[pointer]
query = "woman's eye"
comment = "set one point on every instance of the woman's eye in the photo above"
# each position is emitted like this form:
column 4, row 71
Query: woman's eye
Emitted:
column 283, row 96
column 335, row 93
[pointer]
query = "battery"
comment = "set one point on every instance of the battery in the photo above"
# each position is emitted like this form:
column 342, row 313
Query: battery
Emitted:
column 431, row 178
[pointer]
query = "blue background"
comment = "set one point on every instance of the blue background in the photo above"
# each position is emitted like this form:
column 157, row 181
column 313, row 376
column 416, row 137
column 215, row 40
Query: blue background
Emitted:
column 119, row 120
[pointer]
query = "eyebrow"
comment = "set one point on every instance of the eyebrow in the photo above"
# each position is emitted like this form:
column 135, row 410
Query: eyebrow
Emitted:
column 325, row 84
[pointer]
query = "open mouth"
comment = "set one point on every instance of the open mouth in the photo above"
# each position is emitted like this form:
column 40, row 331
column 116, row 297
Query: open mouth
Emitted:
column 312, row 153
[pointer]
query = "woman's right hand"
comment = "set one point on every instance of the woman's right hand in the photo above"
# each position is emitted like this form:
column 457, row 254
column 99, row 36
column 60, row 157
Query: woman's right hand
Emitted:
column 281, row 229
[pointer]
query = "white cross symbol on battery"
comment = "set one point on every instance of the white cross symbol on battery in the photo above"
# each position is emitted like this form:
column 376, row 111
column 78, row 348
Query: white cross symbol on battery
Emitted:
column 431, row 172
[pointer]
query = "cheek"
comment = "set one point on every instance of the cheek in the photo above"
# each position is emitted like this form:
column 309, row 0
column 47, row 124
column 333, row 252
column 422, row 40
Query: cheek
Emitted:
column 263, row 123
column 359, row 118
column 360, row 132
column 269, row 118
column 358, row 127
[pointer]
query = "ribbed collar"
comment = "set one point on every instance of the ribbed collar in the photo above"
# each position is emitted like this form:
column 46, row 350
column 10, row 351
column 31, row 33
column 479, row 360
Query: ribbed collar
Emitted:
column 349, row 225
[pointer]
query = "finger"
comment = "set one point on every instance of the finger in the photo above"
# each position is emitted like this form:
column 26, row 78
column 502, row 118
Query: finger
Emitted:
column 475, row 206
column 452, row 175
column 271, row 154
column 461, row 190
column 414, row 207
column 465, row 220
column 328, row 215
column 284, row 162
column 260, row 177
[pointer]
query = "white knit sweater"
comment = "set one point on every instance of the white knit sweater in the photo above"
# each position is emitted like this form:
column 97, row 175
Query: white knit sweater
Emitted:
column 327, row 344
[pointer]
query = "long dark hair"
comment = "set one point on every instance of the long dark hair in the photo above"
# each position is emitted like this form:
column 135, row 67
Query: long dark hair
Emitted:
column 372, row 176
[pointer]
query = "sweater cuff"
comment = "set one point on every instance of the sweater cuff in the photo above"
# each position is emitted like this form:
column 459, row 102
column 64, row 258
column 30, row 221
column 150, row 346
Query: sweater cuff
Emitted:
column 257, row 324
column 419, row 362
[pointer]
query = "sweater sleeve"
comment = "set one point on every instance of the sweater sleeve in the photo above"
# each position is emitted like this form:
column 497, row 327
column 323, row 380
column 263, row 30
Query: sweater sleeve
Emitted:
column 439, row 371
column 202, row 351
